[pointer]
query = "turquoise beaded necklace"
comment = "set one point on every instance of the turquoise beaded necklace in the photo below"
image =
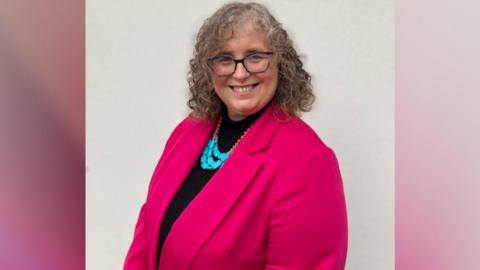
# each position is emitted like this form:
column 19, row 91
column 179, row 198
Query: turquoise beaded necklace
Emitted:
column 212, row 158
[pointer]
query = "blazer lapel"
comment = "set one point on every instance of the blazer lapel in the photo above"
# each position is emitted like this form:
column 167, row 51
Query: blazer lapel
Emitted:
column 205, row 213
column 170, row 175
column 207, row 210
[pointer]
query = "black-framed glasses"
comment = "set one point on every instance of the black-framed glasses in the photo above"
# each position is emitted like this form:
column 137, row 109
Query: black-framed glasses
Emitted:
column 225, row 65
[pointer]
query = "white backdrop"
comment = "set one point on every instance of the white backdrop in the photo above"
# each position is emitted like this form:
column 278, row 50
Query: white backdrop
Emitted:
column 137, row 60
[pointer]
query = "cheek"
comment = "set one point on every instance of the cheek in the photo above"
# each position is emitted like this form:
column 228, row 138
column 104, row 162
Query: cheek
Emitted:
column 271, row 81
column 220, row 87
column 273, row 74
column 219, row 83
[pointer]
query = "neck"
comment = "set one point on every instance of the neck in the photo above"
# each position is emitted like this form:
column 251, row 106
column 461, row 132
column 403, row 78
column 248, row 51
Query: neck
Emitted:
column 235, row 117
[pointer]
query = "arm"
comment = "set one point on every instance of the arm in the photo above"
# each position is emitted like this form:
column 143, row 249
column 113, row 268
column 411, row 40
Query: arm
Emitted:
column 137, row 254
column 308, row 221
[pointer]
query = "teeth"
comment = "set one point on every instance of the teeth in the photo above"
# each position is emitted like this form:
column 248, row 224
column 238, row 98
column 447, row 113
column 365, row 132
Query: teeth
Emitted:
column 243, row 89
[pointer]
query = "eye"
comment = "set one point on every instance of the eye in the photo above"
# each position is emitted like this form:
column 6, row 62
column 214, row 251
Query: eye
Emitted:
column 256, row 57
column 223, row 60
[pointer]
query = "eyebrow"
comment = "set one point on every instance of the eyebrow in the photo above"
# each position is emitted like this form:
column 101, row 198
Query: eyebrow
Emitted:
column 249, row 51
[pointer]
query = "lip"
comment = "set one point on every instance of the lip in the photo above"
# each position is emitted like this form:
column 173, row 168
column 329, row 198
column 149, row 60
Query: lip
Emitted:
column 244, row 90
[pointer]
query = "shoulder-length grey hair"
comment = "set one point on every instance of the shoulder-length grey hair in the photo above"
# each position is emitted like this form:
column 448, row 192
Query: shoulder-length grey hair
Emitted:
column 294, row 91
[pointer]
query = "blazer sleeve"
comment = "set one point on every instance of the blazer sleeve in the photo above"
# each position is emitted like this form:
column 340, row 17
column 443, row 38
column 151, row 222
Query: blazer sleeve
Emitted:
column 308, row 219
column 137, row 254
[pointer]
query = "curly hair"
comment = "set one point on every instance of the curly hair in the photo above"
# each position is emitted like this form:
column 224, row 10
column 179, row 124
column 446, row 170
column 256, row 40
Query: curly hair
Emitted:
column 294, row 92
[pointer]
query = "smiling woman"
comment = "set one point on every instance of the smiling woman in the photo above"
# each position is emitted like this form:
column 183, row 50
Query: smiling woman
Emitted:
column 245, row 86
column 243, row 183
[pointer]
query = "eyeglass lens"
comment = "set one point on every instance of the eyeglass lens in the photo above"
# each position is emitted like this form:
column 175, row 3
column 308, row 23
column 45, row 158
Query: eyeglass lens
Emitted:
column 254, row 63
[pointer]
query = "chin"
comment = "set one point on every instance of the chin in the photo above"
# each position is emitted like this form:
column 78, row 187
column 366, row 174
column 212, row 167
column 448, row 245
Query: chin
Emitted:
column 246, row 109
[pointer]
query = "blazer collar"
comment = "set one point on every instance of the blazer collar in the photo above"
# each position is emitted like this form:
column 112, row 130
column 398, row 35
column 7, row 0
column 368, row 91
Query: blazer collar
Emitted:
column 207, row 210
column 262, row 131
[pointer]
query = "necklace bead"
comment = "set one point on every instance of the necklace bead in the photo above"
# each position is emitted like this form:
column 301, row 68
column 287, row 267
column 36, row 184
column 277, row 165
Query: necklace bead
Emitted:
column 212, row 158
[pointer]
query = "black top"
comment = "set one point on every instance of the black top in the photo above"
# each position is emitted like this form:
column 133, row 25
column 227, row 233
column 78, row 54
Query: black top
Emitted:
column 230, row 131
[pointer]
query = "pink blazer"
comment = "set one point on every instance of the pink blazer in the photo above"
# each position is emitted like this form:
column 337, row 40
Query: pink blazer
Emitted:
column 277, row 203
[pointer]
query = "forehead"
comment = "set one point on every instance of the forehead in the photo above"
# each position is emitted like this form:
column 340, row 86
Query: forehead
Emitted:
column 244, row 39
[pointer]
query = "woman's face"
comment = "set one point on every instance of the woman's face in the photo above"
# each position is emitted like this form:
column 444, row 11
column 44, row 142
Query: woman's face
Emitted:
column 244, row 93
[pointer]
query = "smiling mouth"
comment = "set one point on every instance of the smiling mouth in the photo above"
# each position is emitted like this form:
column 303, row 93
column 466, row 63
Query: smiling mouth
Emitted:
column 243, row 88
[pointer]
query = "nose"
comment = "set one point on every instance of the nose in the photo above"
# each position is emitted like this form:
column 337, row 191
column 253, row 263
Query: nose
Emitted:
column 240, row 72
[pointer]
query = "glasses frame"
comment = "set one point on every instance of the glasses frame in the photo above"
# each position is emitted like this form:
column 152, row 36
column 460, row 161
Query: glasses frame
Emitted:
column 236, row 61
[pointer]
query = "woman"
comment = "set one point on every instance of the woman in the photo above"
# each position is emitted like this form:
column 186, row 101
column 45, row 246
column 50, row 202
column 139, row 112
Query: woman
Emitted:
column 243, row 183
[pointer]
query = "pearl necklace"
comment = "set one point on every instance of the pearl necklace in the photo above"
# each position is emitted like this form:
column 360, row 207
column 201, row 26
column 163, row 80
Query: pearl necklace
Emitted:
column 212, row 158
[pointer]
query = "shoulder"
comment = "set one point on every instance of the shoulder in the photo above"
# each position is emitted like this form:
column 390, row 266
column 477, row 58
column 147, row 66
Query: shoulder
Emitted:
column 190, row 122
column 297, row 145
column 306, row 164
column 188, row 125
column 298, row 136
